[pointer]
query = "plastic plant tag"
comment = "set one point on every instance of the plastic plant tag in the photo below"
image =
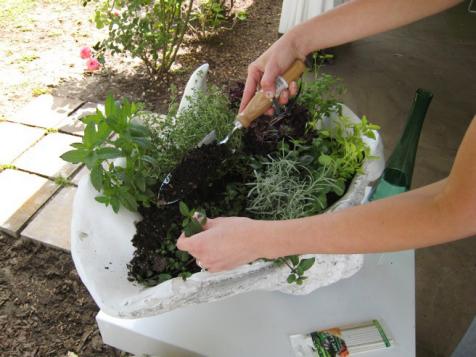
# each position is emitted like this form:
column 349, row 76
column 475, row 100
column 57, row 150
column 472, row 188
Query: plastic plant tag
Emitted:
column 343, row 341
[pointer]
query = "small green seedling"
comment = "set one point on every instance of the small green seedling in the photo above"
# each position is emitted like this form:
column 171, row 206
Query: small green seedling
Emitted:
column 194, row 220
column 298, row 267
column 63, row 181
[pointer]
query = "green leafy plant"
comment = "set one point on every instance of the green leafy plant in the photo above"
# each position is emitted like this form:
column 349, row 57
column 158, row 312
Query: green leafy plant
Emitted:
column 63, row 181
column 297, row 266
column 209, row 15
column 320, row 95
column 284, row 187
column 150, row 30
column 174, row 135
column 341, row 147
column 193, row 221
column 242, row 15
column 127, row 185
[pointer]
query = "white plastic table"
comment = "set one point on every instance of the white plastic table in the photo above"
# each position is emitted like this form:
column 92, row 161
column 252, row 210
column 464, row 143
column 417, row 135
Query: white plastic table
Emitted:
column 259, row 323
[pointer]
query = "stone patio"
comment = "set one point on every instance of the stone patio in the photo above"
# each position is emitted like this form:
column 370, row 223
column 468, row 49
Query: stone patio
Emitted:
column 31, row 142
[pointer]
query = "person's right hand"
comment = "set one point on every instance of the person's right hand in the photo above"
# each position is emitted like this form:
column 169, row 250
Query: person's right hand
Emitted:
column 264, row 70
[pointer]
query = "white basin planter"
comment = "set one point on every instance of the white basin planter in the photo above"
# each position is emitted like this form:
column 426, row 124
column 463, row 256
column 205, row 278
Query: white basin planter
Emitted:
column 101, row 248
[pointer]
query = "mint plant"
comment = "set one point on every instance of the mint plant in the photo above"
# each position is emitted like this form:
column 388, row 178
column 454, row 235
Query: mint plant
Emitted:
column 193, row 221
column 111, row 136
column 297, row 266
column 341, row 147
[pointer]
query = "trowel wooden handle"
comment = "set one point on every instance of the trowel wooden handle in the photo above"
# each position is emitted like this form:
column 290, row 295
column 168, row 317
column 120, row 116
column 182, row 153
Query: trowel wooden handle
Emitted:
column 259, row 104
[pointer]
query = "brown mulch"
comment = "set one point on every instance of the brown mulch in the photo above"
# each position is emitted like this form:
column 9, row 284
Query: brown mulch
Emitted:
column 44, row 308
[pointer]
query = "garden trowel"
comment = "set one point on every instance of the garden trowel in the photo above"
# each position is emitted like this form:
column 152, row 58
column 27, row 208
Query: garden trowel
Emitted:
column 257, row 106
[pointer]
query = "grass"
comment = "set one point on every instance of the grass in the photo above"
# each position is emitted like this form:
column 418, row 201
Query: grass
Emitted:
column 63, row 181
column 29, row 58
column 14, row 11
column 36, row 92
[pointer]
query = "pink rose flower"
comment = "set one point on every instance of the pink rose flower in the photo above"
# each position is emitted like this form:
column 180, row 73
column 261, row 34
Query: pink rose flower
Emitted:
column 85, row 53
column 93, row 64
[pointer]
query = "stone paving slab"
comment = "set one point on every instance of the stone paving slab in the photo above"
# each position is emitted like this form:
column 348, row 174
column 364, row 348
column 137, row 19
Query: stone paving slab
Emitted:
column 15, row 139
column 52, row 223
column 73, row 124
column 46, row 111
column 22, row 194
column 44, row 157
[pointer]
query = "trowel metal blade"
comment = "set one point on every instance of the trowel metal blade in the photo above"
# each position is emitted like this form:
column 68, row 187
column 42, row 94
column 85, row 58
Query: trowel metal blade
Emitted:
column 211, row 137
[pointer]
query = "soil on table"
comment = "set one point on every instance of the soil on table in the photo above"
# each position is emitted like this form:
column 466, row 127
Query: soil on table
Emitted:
column 44, row 308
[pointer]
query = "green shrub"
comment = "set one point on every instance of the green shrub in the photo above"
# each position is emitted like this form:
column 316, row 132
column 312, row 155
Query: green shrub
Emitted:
column 209, row 15
column 149, row 29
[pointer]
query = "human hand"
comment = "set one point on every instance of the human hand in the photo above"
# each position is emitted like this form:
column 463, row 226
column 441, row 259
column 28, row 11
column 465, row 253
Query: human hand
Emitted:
column 226, row 243
column 264, row 70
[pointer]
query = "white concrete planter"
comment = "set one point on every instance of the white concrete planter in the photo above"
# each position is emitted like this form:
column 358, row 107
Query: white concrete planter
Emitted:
column 101, row 248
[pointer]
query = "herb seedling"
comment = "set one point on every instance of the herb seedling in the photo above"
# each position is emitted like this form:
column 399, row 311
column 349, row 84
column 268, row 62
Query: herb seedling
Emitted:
column 63, row 181
column 193, row 221
column 297, row 266
column 127, row 185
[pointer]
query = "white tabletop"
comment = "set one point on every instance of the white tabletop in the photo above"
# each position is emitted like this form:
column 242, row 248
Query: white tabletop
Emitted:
column 259, row 323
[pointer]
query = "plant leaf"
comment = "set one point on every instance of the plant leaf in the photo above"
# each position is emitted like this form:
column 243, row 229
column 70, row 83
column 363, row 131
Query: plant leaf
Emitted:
column 108, row 153
column 306, row 264
column 294, row 259
column 96, row 177
column 184, row 209
column 74, row 156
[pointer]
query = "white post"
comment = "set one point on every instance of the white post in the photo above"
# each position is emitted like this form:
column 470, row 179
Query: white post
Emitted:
column 297, row 11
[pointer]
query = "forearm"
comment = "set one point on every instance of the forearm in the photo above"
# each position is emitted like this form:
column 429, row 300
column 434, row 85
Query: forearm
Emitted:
column 414, row 219
column 360, row 18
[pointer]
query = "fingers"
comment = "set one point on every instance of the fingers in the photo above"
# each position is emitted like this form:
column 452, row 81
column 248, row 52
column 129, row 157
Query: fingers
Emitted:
column 293, row 89
column 251, row 84
column 266, row 79
column 193, row 244
column 284, row 97
column 271, row 71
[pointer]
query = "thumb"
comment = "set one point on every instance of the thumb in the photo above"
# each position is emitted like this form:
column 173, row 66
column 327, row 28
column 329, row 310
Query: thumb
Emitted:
column 268, row 80
column 190, row 244
column 183, row 243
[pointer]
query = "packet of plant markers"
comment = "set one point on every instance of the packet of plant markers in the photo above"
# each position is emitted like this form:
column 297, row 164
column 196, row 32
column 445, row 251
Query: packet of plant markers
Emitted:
column 342, row 341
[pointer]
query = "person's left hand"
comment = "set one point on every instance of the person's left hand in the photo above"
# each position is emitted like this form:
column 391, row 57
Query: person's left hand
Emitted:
column 226, row 243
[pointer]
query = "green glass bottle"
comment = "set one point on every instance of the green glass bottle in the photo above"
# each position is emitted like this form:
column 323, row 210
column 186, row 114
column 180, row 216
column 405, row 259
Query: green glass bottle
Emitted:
column 397, row 176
